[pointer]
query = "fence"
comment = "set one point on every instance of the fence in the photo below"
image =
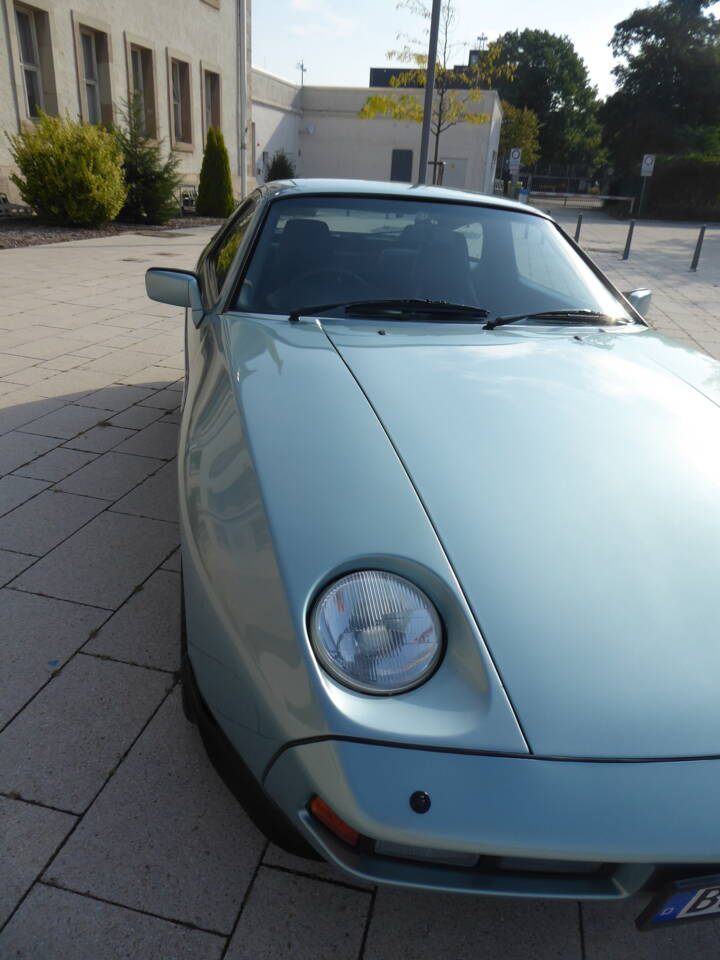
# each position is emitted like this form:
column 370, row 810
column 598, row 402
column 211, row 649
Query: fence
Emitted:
column 586, row 201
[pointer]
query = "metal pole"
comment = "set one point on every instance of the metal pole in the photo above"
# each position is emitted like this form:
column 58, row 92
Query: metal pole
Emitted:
column 626, row 253
column 641, row 204
column 577, row 228
column 429, row 90
column 242, row 95
column 698, row 248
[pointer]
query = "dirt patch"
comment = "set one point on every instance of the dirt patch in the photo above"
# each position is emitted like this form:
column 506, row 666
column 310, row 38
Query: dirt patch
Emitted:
column 29, row 231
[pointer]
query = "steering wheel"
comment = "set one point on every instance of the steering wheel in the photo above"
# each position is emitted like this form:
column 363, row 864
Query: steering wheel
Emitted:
column 337, row 276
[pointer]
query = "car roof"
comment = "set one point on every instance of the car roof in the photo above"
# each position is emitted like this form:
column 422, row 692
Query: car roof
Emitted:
column 411, row 191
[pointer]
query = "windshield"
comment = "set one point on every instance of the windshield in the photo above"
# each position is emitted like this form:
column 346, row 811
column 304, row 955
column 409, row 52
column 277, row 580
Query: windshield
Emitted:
column 319, row 250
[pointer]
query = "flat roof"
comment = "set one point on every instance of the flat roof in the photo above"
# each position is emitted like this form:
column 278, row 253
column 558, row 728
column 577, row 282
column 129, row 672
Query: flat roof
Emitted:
column 319, row 186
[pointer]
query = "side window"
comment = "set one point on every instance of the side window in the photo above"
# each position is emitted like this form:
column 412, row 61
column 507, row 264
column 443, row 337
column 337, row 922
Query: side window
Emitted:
column 224, row 253
column 537, row 260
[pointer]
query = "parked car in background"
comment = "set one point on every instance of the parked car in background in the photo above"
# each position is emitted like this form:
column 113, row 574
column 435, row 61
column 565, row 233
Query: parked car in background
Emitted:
column 450, row 514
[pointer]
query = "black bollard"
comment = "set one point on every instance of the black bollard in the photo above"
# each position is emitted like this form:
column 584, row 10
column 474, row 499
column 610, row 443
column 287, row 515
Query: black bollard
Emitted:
column 577, row 228
column 626, row 252
column 698, row 248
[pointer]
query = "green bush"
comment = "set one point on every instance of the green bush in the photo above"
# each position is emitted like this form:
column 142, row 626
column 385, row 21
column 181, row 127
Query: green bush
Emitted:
column 215, row 191
column 281, row 167
column 70, row 172
column 152, row 181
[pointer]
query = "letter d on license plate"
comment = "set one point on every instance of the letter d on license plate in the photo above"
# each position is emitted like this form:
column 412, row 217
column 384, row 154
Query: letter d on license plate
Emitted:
column 684, row 900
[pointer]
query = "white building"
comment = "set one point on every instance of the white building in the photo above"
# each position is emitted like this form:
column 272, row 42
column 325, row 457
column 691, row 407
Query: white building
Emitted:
column 319, row 129
column 85, row 57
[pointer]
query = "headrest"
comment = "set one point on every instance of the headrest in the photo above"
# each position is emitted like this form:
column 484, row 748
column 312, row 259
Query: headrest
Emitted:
column 305, row 230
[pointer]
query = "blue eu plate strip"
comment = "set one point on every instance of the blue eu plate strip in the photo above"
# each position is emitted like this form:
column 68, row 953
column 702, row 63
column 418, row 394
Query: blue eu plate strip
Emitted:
column 672, row 907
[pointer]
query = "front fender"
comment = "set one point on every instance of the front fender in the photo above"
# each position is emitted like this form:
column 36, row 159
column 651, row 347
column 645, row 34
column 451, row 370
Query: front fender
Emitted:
column 288, row 480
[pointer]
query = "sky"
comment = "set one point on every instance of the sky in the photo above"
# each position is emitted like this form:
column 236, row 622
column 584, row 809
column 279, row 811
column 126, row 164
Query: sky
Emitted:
column 339, row 40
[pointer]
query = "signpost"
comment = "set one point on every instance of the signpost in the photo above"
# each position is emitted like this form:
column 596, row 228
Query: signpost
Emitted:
column 646, row 170
column 648, row 165
column 514, row 168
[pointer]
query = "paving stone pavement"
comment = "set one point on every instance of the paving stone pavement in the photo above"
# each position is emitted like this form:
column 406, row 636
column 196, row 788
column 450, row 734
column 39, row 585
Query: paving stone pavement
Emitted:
column 117, row 839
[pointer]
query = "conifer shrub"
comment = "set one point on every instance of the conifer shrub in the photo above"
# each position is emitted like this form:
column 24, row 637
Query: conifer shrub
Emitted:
column 281, row 167
column 215, row 190
column 70, row 172
column 152, row 180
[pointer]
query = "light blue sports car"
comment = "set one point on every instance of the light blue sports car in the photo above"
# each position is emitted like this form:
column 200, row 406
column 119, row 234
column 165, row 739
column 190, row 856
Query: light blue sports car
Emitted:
column 450, row 517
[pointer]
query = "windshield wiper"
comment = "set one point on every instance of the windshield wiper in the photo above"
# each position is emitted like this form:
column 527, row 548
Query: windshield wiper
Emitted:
column 402, row 306
column 579, row 315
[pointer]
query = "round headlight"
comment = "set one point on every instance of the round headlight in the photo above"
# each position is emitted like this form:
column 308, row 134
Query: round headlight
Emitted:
column 376, row 632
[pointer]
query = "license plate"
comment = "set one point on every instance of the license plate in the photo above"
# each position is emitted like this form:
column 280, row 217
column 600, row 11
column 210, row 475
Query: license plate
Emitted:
column 681, row 902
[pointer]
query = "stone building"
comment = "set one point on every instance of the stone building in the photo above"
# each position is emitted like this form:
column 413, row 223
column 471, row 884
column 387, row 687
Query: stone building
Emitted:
column 188, row 61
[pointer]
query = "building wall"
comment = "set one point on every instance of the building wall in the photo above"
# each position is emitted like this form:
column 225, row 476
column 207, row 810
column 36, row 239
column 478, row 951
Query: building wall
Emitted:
column 205, row 36
column 276, row 117
column 321, row 126
column 339, row 144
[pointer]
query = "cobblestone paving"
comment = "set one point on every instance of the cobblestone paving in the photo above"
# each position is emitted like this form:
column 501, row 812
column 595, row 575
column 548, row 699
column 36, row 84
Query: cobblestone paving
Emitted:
column 117, row 839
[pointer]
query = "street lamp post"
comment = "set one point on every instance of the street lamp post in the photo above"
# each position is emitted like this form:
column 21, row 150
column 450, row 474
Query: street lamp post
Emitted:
column 429, row 90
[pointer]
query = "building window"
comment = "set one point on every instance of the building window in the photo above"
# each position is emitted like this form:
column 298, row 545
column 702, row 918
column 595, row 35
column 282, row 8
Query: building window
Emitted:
column 180, row 99
column 90, row 68
column 211, row 99
column 29, row 60
column 94, row 67
column 35, row 59
column 142, row 79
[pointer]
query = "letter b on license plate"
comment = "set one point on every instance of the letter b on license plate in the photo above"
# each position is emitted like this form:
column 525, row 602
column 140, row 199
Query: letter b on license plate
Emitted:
column 685, row 900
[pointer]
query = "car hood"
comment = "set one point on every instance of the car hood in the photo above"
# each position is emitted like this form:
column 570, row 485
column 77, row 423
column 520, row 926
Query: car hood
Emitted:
column 573, row 478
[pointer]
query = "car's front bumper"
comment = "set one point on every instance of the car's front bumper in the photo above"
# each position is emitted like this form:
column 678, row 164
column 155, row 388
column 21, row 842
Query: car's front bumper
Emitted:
column 540, row 827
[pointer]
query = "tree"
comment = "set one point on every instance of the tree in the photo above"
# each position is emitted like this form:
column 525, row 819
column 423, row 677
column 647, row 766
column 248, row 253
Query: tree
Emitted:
column 281, row 167
column 668, row 82
column 552, row 80
column 457, row 89
column 520, row 128
column 152, row 181
column 215, row 190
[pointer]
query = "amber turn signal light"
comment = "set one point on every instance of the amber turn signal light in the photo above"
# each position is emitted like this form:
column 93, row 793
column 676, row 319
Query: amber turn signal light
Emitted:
column 322, row 812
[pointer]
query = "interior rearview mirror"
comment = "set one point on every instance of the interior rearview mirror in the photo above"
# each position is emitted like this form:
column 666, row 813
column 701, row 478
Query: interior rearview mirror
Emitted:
column 180, row 288
column 640, row 299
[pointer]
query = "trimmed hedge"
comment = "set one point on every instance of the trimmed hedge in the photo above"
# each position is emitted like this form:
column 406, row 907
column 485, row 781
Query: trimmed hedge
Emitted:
column 215, row 190
column 70, row 172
